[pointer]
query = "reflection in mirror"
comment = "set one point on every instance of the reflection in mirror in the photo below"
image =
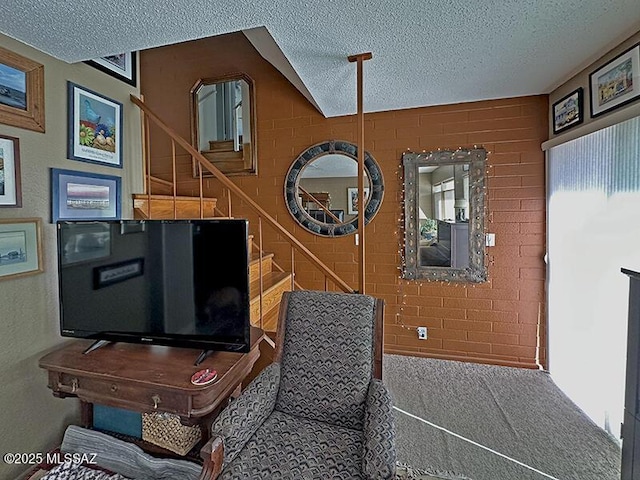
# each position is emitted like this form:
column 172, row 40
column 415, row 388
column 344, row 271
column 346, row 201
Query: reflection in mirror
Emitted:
column 321, row 188
column 328, row 188
column 444, row 215
column 223, row 123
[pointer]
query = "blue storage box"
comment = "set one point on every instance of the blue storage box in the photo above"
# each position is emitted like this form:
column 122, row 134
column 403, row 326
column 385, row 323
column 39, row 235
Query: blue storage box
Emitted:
column 117, row 420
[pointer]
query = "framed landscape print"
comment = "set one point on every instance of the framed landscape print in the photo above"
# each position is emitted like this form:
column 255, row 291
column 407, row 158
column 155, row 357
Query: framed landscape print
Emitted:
column 616, row 83
column 84, row 196
column 10, row 189
column 568, row 111
column 122, row 66
column 95, row 127
column 20, row 247
column 21, row 91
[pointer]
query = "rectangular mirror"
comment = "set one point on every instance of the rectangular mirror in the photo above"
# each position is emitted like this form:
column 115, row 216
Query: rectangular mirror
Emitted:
column 444, row 215
column 223, row 123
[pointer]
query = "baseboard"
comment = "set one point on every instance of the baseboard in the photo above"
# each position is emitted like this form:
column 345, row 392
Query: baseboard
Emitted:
column 462, row 358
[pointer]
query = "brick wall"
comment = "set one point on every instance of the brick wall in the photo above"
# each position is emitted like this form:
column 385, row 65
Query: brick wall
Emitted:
column 494, row 322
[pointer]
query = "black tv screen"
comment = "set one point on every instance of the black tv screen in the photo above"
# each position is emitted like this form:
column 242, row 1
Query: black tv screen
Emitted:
column 171, row 282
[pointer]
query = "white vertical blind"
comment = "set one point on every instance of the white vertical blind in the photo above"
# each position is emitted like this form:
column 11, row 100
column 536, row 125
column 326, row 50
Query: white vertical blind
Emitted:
column 593, row 201
column 444, row 199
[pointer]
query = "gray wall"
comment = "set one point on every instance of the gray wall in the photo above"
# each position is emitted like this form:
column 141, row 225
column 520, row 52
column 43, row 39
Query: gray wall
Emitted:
column 31, row 419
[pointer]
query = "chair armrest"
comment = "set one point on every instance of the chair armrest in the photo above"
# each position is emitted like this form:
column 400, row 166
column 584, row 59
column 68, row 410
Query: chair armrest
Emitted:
column 241, row 418
column 212, row 454
column 379, row 458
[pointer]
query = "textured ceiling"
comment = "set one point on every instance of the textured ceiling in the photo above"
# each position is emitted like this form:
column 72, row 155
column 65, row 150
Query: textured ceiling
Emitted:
column 425, row 52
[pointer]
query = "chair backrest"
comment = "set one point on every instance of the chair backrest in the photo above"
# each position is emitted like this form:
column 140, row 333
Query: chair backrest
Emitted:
column 329, row 349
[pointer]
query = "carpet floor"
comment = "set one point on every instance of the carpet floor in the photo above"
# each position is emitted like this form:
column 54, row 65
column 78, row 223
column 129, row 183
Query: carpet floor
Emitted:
column 517, row 412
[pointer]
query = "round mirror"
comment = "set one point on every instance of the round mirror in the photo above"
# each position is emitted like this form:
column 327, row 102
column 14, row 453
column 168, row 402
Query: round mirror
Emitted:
column 321, row 188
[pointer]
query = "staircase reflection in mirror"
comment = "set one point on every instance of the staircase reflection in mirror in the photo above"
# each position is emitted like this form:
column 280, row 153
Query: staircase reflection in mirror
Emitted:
column 321, row 188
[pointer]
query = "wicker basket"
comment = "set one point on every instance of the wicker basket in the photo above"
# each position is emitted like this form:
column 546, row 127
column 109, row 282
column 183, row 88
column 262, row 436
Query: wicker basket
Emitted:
column 166, row 431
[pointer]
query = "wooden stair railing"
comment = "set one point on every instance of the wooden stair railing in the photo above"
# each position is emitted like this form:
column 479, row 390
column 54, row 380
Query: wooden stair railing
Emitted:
column 296, row 245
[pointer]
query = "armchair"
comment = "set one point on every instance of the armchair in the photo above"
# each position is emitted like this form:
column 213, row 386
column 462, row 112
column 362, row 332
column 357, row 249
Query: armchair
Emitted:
column 320, row 411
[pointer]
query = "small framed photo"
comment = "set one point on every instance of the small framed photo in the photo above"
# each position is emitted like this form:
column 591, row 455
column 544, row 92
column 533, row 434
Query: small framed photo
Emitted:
column 84, row 196
column 352, row 199
column 20, row 247
column 568, row 111
column 122, row 66
column 10, row 190
column 616, row 83
column 95, row 127
column 21, row 91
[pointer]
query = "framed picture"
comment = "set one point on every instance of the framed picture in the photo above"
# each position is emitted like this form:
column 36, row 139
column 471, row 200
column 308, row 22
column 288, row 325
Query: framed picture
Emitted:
column 568, row 111
column 84, row 196
column 107, row 275
column 352, row 199
column 20, row 247
column 10, row 190
column 616, row 83
column 95, row 127
column 123, row 66
column 21, row 91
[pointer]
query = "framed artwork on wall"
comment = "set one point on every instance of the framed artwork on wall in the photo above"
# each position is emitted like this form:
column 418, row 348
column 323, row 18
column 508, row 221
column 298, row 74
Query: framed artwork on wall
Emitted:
column 95, row 127
column 10, row 187
column 352, row 199
column 568, row 111
column 20, row 247
column 84, row 196
column 21, row 91
column 122, row 66
column 616, row 83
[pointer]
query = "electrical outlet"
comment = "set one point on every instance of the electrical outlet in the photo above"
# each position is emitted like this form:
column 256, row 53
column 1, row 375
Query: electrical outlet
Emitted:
column 422, row 333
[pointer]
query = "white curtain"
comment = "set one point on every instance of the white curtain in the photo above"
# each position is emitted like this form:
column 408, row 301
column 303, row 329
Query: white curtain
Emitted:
column 593, row 201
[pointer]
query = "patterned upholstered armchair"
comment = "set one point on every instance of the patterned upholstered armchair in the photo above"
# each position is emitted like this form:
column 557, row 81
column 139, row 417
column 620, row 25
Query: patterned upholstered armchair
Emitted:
column 320, row 411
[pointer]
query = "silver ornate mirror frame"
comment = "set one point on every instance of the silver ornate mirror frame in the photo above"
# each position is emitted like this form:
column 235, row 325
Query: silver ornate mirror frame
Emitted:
column 476, row 271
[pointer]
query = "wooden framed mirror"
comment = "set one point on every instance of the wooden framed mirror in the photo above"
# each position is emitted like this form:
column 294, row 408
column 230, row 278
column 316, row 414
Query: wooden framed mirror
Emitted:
column 321, row 188
column 444, row 199
column 223, row 124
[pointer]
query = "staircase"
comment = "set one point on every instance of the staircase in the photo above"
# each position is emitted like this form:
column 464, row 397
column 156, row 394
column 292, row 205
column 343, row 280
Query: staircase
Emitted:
column 274, row 284
column 166, row 206
column 267, row 279
column 264, row 275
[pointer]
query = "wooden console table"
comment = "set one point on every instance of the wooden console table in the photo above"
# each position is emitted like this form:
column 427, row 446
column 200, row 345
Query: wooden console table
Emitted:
column 146, row 378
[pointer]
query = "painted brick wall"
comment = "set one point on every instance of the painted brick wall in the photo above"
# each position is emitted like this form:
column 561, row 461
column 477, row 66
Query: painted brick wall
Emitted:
column 494, row 322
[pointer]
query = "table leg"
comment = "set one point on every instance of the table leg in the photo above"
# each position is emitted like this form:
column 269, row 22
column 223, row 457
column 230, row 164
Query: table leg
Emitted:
column 86, row 414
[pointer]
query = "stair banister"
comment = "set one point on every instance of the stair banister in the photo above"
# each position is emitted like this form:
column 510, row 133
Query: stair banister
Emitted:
column 202, row 161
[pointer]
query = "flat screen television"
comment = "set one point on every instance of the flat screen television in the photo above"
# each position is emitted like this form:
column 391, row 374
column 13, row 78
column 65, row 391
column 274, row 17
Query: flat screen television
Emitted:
column 181, row 283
